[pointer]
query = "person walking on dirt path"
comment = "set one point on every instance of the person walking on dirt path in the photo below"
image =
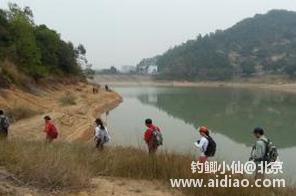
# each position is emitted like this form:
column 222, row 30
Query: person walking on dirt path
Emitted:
column 4, row 125
column 102, row 135
column 152, row 136
column 206, row 144
column 50, row 130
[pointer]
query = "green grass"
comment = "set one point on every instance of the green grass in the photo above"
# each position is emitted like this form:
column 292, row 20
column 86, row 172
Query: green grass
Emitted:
column 72, row 165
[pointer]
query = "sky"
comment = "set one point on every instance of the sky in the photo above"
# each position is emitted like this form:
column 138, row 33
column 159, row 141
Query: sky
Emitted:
column 122, row 32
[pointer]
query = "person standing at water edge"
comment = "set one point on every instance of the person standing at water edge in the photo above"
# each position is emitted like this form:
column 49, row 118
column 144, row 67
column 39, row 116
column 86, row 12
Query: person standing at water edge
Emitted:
column 4, row 125
column 259, row 149
column 50, row 130
column 101, row 134
column 152, row 136
column 206, row 144
column 262, row 152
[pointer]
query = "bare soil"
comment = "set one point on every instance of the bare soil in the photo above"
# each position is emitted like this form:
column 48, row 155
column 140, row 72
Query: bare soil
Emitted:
column 75, row 123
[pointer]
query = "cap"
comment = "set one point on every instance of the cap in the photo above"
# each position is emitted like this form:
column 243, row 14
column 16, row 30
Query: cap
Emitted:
column 203, row 129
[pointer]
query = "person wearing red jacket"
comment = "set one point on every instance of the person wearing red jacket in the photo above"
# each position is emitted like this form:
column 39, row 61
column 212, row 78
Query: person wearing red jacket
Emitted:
column 50, row 130
column 148, row 136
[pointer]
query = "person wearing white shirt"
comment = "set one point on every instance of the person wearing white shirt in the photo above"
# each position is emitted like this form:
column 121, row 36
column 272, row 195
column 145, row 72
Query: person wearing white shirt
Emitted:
column 101, row 134
column 202, row 144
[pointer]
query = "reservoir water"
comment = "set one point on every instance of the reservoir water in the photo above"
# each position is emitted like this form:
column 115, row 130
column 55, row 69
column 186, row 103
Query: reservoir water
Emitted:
column 230, row 113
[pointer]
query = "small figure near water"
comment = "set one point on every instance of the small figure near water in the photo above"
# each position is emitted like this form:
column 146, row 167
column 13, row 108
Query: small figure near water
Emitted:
column 152, row 136
column 95, row 90
column 102, row 135
column 50, row 130
column 263, row 152
column 4, row 125
column 107, row 88
column 206, row 144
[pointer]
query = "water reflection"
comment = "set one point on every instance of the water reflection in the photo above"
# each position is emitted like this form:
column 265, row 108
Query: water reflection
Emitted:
column 231, row 112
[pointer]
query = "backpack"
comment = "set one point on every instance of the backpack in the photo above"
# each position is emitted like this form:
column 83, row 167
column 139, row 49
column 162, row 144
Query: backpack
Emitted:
column 53, row 133
column 4, row 124
column 271, row 152
column 106, row 138
column 211, row 149
column 157, row 137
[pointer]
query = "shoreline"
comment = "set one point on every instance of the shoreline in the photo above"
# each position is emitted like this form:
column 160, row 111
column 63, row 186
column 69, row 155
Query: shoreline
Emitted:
column 280, row 87
column 74, row 121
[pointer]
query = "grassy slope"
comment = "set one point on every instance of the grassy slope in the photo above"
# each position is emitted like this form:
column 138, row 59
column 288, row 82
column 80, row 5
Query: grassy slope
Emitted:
column 73, row 165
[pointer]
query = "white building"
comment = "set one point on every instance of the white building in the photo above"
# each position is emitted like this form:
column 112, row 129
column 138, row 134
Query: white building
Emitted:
column 152, row 69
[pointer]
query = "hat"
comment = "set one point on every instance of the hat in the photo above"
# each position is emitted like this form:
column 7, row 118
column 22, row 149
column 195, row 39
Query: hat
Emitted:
column 203, row 129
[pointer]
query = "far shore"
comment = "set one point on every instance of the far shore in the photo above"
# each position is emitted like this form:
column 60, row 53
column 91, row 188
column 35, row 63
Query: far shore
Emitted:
column 125, row 81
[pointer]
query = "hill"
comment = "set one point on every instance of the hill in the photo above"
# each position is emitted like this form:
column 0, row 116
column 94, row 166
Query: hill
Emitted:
column 30, row 51
column 262, row 45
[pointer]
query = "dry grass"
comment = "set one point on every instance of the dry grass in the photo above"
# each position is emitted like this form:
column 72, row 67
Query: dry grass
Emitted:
column 68, row 99
column 61, row 165
column 13, row 75
column 21, row 112
column 45, row 166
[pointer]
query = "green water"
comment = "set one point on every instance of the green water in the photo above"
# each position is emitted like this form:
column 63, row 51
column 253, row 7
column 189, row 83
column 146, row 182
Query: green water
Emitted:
column 230, row 113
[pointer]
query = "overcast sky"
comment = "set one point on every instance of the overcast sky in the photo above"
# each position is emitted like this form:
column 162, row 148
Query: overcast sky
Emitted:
column 122, row 32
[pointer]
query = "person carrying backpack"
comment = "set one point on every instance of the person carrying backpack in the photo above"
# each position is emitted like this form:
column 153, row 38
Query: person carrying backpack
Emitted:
column 4, row 125
column 263, row 151
column 102, row 135
column 50, row 130
column 206, row 144
column 152, row 136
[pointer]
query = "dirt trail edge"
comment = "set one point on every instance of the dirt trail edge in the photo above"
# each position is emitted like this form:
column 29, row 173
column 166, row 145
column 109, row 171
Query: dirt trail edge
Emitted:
column 74, row 120
column 75, row 123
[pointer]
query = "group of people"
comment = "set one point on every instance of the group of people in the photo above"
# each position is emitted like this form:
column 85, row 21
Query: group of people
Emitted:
column 50, row 129
column 263, row 149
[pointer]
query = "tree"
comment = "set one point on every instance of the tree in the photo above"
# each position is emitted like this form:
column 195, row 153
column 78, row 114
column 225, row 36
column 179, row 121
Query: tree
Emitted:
column 27, row 52
column 80, row 52
column 113, row 70
column 67, row 58
column 266, row 39
column 48, row 43
column 36, row 49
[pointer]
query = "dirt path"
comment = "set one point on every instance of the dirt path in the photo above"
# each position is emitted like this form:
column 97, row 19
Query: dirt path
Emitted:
column 108, row 186
column 101, row 186
column 75, row 122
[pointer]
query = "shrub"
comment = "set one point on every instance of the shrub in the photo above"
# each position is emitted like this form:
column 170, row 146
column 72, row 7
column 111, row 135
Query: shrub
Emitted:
column 21, row 112
column 68, row 99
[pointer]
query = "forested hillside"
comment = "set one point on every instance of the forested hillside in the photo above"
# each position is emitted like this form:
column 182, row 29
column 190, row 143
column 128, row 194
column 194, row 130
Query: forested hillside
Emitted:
column 262, row 45
column 33, row 51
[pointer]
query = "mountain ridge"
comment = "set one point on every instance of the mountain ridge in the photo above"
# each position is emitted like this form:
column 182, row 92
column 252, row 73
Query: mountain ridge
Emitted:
column 261, row 45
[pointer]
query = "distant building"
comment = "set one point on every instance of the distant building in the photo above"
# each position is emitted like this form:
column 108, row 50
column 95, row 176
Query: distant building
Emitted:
column 152, row 69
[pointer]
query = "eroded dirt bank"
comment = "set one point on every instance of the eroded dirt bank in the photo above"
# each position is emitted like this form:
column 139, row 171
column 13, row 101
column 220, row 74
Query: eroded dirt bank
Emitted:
column 75, row 121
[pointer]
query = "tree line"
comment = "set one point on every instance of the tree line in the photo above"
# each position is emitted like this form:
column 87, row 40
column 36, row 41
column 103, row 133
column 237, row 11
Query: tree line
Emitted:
column 36, row 50
column 261, row 45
